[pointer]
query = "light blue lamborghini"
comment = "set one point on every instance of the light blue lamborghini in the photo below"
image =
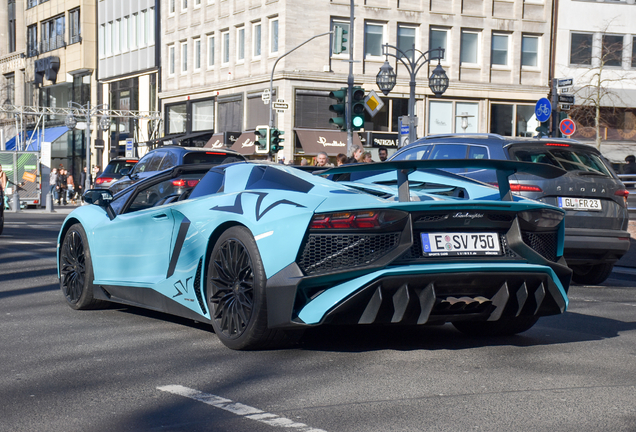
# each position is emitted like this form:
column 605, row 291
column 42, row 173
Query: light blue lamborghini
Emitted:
column 263, row 251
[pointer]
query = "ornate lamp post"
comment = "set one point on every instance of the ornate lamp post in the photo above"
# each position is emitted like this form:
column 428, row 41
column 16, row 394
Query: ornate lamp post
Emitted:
column 88, row 113
column 386, row 78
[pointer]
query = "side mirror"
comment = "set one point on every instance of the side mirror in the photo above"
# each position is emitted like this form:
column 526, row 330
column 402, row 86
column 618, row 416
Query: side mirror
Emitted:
column 124, row 171
column 99, row 197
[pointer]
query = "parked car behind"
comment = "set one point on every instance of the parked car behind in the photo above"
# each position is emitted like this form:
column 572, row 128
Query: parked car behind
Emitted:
column 169, row 156
column 113, row 171
column 593, row 196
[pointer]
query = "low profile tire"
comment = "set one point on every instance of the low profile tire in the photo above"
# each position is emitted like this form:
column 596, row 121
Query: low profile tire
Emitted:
column 76, row 270
column 236, row 293
column 502, row 327
column 592, row 274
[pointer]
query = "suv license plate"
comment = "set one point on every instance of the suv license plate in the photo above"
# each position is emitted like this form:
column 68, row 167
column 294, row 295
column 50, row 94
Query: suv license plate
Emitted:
column 580, row 203
column 460, row 244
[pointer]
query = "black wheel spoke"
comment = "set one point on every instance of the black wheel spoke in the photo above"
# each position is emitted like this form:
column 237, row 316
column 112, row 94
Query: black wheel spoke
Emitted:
column 73, row 267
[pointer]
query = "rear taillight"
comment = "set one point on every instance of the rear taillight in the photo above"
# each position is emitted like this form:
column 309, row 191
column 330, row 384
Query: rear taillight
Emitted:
column 557, row 145
column 622, row 193
column 515, row 187
column 103, row 180
column 184, row 183
column 363, row 219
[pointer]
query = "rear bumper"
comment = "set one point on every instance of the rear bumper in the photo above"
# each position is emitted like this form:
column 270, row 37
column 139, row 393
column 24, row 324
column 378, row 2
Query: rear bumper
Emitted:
column 594, row 246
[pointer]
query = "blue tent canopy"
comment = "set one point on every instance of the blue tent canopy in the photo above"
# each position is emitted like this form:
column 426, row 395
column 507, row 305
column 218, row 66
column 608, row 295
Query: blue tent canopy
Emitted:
column 50, row 135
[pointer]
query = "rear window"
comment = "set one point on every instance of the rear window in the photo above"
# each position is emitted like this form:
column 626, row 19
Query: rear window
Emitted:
column 114, row 167
column 210, row 158
column 569, row 158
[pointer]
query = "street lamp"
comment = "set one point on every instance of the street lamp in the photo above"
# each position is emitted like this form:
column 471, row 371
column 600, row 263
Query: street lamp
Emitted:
column 386, row 78
column 88, row 113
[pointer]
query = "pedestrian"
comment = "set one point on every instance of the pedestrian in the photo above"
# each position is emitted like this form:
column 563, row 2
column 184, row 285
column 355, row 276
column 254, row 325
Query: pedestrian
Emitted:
column 82, row 181
column 3, row 185
column 356, row 154
column 61, row 187
column 366, row 157
column 70, row 188
column 97, row 171
column 303, row 162
column 383, row 153
column 341, row 159
column 322, row 160
column 630, row 167
column 53, row 184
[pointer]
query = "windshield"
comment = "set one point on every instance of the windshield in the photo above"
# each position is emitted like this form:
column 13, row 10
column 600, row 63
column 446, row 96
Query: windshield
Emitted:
column 115, row 166
column 569, row 158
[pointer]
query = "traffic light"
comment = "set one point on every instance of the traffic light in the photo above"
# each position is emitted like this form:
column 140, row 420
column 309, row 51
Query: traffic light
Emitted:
column 339, row 108
column 338, row 42
column 262, row 139
column 276, row 140
column 357, row 108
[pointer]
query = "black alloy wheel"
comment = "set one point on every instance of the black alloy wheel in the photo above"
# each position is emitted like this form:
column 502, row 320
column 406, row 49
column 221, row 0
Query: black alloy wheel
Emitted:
column 76, row 270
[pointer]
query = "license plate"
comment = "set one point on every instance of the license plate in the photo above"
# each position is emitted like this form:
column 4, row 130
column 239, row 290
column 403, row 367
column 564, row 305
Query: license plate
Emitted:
column 580, row 203
column 460, row 244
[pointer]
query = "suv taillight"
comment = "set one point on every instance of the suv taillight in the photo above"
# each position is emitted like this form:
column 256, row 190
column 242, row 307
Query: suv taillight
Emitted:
column 103, row 180
column 624, row 193
column 184, row 183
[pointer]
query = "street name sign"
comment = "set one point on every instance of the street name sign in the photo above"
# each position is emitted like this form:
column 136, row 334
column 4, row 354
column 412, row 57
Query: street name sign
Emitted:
column 565, row 82
column 566, row 99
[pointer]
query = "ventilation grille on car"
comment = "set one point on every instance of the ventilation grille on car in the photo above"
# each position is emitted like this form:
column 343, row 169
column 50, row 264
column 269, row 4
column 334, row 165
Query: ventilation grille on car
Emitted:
column 545, row 244
column 329, row 252
column 198, row 289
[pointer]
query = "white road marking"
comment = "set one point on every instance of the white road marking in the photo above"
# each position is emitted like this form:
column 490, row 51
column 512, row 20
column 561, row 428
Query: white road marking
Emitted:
column 238, row 408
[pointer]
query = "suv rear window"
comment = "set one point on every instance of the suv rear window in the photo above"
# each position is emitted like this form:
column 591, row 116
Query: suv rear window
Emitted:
column 210, row 157
column 568, row 158
column 115, row 166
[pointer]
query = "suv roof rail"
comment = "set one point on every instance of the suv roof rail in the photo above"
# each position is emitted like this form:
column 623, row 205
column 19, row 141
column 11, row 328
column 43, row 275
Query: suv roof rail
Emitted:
column 466, row 135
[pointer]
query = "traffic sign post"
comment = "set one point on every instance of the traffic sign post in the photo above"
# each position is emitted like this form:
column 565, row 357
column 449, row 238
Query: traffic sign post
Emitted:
column 567, row 127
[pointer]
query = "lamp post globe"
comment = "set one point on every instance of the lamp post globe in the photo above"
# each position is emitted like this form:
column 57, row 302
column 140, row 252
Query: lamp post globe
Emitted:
column 70, row 121
column 386, row 78
column 438, row 82
column 104, row 123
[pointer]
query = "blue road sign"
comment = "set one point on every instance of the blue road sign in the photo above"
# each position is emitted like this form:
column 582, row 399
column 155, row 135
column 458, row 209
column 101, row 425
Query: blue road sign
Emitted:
column 543, row 109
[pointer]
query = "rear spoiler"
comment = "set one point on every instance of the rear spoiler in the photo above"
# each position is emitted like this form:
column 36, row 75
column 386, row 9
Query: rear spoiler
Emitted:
column 504, row 168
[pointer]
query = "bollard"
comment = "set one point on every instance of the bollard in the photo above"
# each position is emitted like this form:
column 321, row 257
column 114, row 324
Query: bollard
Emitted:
column 15, row 203
column 49, row 203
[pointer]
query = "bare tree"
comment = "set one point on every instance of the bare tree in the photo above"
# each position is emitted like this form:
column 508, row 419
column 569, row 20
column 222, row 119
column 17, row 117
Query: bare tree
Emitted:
column 597, row 93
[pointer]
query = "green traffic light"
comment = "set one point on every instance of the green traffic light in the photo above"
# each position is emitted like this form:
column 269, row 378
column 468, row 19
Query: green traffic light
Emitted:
column 357, row 121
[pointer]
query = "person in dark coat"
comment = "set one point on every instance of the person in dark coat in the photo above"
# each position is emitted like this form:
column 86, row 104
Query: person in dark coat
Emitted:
column 630, row 167
column 61, row 186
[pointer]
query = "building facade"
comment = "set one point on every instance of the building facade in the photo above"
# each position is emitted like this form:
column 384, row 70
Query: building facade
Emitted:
column 217, row 57
column 596, row 46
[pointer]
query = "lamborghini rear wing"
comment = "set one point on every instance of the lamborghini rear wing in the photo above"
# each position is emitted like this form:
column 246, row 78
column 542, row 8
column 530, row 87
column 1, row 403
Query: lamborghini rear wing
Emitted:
column 504, row 168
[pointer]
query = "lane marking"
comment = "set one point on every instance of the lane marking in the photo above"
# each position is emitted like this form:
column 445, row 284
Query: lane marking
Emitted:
column 238, row 408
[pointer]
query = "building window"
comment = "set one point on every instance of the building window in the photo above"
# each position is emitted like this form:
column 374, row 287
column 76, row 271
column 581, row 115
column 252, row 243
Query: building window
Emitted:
column 273, row 36
column 74, row 31
column 256, row 38
column 31, row 3
column 203, row 115
column 115, row 35
column 612, row 50
column 406, row 37
column 11, row 29
column 469, row 47
column 171, row 60
column 448, row 117
column 499, row 53
column 184, row 57
column 141, row 30
column 225, row 55
column 373, row 39
column 210, row 51
column 53, row 34
column 177, row 116
column 132, row 32
column 197, row 54
column 581, row 48
column 634, row 52
column 345, row 26
column 150, row 26
column 529, row 51
column 171, row 7
column 9, row 80
column 240, row 44
column 197, row 4
column 438, row 38
column 32, row 41
column 502, row 115
column 109, row 29
column 184, row 5
column 123, row 34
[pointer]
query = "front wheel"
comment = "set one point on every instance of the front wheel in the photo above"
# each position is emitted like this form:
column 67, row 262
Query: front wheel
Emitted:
column 592, row 274
column 236, row 292
column 502, row 327
column 76, row 270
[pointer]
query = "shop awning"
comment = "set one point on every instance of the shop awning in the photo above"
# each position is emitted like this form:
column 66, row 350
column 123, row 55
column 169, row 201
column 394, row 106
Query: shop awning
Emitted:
column 314, row 141
column 222, row 140
column 50, row 135
column 245, row 143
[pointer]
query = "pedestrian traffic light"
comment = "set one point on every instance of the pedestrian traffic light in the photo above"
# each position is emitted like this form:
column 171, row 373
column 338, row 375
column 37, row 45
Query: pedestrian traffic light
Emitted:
column 357, row 108
column 262, row 139
column 339, row 108
column 276, row 140
column 338, row 42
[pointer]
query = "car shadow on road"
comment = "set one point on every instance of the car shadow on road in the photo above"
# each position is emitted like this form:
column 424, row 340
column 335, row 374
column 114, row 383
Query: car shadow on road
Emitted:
column 562, row 329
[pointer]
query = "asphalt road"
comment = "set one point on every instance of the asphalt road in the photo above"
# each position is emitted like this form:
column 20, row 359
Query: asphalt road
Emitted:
column 126, row 369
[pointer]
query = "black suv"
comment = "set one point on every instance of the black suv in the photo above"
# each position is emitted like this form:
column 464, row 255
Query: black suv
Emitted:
column 169, row 156
column 594, row 198
column 113, row 171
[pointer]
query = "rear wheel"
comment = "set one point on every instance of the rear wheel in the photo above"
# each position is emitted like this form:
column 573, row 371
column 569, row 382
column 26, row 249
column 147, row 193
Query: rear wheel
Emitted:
column 236, row 293
column 76, row 270
column 502, row 327
column 591, row 274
